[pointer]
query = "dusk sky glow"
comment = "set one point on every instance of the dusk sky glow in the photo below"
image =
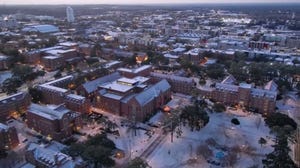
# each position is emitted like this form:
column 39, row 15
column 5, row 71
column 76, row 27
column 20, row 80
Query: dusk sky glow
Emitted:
column 138, row 1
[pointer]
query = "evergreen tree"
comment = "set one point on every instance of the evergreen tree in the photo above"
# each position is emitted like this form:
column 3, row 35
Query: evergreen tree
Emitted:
column 280, row 157
column 195, row 115
column 138, row 163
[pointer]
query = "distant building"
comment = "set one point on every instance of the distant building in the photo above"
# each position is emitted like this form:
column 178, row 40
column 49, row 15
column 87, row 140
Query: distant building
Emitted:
column 70, row 14
column 8, row 22
column 11, row 104
column 194, row 55
column 55, row 122
column 46, row 157
column 41, row 29
column 245, row 95
column 261, row 45
column 293, row 42
column 8, row 137
column 52, row 63
column 55, row 57
column 140, row 71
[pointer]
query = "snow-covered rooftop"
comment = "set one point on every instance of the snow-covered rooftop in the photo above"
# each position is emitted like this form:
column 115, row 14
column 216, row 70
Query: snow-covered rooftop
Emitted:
column 13, row 97
column 152, row 92
column 68, row 44
column 50, row 157
column 54, row 88
column 93, row 85
column 127, row 81
column 3, row 127
column 51, row 57
column 47, row 112
column 116, row 86
column 77, row 97
column 245, row 85
column 136, row 70
column 171, row 77
column 41, row 28
column 272, row 86
column 228, row 87
column 108, row 65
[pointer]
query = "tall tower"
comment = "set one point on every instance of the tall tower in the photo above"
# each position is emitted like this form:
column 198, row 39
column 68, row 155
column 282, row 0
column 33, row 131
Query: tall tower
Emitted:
column 70, row 14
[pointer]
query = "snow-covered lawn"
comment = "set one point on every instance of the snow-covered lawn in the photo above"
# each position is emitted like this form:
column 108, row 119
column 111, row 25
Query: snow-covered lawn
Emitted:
column 193, row 149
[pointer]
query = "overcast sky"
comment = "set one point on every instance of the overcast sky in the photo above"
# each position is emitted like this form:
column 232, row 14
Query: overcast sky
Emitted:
column 134, row 1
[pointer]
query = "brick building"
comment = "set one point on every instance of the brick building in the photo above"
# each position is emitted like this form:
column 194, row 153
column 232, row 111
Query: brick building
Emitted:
column 260, row 100
column 89, row 89
column 54, row 92
column 45, row 157
column 16, row 102
column 178, row 84
column 131, row 73
column 51, row 63
column 131, row 95
column 260, row 45
column 77, row 103
column 8, row 137
column 133, row 98
column 195, row 55
column 56, row 122
column 53, row 57
column 32, row 57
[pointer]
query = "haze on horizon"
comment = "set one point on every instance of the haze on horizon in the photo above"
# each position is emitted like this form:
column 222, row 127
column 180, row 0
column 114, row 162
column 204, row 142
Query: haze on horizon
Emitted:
column 53, row 2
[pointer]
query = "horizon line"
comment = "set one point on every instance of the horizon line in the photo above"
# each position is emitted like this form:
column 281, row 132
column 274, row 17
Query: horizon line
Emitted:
column 159, row 3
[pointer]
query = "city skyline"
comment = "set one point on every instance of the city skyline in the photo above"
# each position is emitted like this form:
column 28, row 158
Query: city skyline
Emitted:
column 12, row 2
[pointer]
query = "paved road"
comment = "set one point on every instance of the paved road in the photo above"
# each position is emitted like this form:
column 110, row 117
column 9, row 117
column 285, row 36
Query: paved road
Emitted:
column 152, row 146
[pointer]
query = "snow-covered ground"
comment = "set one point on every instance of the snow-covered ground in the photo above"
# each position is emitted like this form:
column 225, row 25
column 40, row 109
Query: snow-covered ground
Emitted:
column 219, row 135
column 238, row 145
column 4, row 75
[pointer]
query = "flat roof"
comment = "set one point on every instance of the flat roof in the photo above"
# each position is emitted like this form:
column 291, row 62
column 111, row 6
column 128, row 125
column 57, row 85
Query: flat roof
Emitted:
column 127, row 80
column 59, row 51
column 171, row 77
column 264, row 93
column 68, row 44
column 228, row 87
column 58, row 80
column 74, row 96
column 54, row 88
column 11, row 96
column 111, row 64
column 46, row 112
column 51, row 57
column 117, row 86
column 136, row 70
column 245, row 85
column 3, row 57
column 141, row 79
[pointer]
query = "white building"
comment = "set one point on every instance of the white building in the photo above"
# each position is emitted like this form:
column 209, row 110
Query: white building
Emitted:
column 70, row 14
